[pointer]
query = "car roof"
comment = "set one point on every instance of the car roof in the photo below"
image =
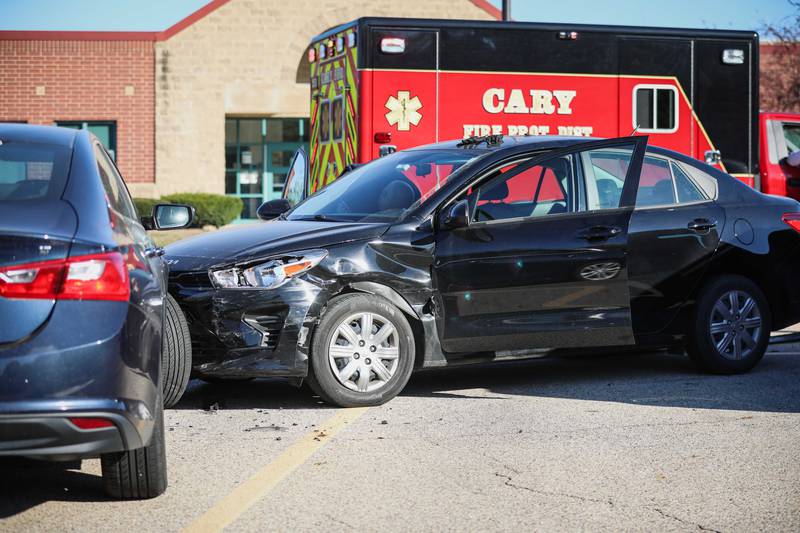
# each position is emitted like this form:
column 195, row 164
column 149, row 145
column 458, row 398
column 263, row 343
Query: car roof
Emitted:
column 535, row 142
column 37, row 134
column 542, row 142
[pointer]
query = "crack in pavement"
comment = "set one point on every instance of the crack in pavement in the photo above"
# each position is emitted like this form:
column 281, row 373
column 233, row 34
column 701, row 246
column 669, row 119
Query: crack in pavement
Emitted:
column 682, row 521
column 509, row 482
column 339, row 521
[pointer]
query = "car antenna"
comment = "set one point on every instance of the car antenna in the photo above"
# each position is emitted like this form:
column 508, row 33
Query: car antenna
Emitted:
column 634, row 131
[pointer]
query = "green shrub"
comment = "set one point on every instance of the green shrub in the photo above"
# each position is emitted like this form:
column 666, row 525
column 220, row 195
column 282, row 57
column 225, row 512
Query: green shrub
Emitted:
column 213, row 209
column 144, row 206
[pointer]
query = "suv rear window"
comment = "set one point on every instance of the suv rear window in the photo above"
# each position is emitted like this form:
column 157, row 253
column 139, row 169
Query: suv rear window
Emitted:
column 30, row 171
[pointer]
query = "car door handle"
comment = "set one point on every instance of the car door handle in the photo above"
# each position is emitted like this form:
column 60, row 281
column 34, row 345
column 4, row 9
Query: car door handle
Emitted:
column 154, row 252
column 599, row 233
column 701, row 224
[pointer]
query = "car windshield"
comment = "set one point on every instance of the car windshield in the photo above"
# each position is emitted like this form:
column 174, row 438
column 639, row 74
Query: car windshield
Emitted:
column 384, row 189
column 30, row 171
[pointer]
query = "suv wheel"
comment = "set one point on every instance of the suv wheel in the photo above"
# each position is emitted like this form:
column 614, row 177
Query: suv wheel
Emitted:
column 731, row 326
column 362, row 353
column 138, row 474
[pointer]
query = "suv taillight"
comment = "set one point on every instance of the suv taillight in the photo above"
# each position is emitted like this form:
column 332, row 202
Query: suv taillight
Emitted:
column 85, row 277
column 793, row 220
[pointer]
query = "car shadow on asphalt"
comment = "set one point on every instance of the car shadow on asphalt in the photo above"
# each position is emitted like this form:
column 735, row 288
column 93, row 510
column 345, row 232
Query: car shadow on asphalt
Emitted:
column 653, row 379
column 265, row 393
column 27, row 483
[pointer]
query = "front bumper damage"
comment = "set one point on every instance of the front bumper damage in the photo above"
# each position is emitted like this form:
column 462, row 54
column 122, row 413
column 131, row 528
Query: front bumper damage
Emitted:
column 249, row 333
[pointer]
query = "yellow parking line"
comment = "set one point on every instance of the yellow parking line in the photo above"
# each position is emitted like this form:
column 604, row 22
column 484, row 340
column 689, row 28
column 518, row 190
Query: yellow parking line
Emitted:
column 232, row 506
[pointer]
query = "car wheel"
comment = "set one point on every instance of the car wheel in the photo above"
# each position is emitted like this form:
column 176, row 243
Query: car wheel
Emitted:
column 138, row 474
column 731, row 326
column 362, row 352
column 176, row 357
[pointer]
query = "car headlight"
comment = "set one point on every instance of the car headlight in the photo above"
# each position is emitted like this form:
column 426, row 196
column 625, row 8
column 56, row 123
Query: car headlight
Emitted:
column 270, row 274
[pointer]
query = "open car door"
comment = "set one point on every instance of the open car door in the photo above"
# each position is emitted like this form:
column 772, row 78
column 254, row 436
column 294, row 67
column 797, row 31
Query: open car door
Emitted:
column 295, row 189
column 540, row 259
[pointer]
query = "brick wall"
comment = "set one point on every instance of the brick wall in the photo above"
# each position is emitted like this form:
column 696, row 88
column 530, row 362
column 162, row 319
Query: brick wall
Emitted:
column 45, row 81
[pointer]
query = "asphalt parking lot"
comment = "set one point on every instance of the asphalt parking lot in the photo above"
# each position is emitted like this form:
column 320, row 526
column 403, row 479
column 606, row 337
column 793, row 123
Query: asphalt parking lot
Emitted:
column 625, row 442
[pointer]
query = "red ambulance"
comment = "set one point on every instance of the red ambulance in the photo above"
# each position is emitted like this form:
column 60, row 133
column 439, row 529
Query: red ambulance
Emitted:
column 385, row 84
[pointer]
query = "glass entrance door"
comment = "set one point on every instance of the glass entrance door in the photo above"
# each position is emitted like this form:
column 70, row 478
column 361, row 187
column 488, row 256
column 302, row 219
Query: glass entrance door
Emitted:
column 258, row 152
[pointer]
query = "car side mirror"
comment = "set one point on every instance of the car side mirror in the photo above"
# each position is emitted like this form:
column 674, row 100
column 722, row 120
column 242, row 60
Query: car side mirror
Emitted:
column 273, row 208
column 456, row 216
column 169, row 216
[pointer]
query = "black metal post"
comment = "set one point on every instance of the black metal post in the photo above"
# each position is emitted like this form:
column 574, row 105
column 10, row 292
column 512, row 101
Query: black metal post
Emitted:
column 506, row 9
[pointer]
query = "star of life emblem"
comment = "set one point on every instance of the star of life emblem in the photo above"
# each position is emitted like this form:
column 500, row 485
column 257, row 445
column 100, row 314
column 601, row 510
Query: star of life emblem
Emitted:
column 403, row 110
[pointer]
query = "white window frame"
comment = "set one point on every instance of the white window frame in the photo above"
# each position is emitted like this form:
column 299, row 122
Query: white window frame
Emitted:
column 655, row 86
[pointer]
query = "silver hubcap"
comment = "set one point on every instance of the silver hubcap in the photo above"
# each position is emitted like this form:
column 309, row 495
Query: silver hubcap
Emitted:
column 735, row 325
column 364, row 352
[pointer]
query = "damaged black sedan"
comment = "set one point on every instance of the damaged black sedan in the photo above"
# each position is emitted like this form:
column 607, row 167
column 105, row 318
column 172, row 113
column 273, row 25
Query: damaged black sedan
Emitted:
column 492, row 249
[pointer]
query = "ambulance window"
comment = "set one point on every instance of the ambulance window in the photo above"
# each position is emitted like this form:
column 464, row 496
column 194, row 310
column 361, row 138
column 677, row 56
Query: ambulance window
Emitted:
column 324, row 121
column 337, row 119
column 655, row 108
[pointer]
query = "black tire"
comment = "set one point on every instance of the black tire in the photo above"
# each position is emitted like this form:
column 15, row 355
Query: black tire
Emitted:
column 176, row 356
column 138, row 474
column 702, row 349
column 320, row 374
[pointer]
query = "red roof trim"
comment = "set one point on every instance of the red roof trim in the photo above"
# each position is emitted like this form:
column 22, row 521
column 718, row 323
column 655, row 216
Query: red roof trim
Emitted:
column 191, row 19
column 25, row 35
column 28, row 35
column 489, row 8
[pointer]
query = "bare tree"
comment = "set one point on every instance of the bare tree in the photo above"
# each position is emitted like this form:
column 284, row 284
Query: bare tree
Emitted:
column 780, row 63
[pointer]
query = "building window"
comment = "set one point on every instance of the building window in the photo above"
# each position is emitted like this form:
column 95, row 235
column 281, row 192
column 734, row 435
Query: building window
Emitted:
column 655, row 108
column 105, row 131
column 258, row 152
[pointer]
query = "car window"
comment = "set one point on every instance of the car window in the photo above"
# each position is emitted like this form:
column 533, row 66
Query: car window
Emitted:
column 791, row 134
column 704, row 180
column 655, row 183
column 116, row 193
column 605, row 170
column 295, row 185
column 687, row 190
column 32, row 171
column 517, row 191
column 384, row 189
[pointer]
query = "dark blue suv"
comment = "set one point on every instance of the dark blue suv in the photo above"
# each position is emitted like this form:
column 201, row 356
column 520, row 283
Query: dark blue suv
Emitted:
column 82, row 307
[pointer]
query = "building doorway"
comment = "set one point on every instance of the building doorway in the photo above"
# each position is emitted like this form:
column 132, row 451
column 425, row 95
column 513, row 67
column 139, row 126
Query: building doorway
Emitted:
column 258, row 152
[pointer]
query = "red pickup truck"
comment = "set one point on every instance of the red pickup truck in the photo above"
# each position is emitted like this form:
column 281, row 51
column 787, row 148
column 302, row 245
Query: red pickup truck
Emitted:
column 779, row 153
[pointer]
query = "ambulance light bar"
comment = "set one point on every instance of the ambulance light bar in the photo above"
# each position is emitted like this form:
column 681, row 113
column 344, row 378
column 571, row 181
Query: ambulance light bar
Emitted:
column 393, row 45
column 568, row 35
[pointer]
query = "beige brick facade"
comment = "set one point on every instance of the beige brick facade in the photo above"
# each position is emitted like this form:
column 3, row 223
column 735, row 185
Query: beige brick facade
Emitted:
column 242, row 60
